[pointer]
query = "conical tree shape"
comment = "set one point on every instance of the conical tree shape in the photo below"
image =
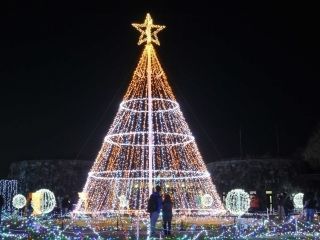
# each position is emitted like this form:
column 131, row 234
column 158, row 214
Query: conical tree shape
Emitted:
column 148, row 144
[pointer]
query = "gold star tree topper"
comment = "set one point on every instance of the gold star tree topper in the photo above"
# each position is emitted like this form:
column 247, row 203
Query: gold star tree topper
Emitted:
column 148, row 31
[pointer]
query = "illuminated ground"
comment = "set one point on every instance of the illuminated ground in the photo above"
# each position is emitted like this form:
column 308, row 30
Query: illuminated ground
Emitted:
column 183, row 228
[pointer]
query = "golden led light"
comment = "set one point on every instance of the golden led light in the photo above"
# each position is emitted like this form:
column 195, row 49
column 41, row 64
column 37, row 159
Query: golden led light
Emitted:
column 43, row 201
column 148, row 31
column 149, row 143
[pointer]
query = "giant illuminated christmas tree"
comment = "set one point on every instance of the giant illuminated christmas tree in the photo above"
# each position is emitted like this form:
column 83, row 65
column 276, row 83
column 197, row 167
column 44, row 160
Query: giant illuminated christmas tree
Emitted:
column 148, row 144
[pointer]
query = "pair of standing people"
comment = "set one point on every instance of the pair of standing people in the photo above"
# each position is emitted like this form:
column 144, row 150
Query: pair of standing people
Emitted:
column 285, row 205
column 155, row 204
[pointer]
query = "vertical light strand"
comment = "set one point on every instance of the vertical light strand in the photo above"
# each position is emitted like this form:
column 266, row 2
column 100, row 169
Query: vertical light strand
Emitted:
column 150, row 125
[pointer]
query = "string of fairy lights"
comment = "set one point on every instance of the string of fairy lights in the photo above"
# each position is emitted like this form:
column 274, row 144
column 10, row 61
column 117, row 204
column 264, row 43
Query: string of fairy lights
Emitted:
column 8, row 189
column 259, row 227
column 149, row 143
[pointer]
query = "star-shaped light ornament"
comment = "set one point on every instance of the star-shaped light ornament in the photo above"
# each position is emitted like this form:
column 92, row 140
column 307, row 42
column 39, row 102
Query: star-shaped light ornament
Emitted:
column 148, row 31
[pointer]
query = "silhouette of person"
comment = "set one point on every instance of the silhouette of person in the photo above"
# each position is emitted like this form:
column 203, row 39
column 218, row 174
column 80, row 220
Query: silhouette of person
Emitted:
column 167, row 214
column 156, row 200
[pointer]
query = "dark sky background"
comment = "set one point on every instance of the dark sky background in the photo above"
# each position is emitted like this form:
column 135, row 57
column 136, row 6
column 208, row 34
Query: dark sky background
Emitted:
column 64, row 67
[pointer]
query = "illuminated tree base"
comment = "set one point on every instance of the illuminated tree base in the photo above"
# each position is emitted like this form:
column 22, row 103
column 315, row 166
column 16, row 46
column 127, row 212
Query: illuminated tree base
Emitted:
column 127, row 192
column 177, row 212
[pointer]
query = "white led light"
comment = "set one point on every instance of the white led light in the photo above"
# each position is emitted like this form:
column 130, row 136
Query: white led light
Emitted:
column 298, row 200
column 206, row 200
column 237, row 201
column 19, row 201
column 132, row 139
column 8, row 189
column 131, row 105
column 43, row 201
column 123, row 202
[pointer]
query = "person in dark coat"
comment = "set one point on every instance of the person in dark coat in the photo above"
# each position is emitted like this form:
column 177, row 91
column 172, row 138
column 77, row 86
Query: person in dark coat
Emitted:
column 66, row 204
column 309, row 205
column 288, row 205
column 281, row 200
column 154, row 208
column 167, row 214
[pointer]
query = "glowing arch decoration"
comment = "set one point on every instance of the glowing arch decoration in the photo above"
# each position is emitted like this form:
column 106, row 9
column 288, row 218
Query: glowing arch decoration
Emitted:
column 43, row 201
column 237, row 202
column 19, row 201
column 149, row 143
column 298, row 200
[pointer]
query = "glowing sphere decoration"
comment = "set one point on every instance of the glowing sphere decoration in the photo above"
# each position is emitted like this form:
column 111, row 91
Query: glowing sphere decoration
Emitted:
column 298, row 200
column 237, row 202
column 206, row 200
column 19, row 201
column 43, row 201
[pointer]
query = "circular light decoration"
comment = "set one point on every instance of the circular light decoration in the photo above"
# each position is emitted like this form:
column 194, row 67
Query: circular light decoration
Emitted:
column 43, row 201
column 237, row 201
column 206, row 200
column 19, row 201
column 298, row 200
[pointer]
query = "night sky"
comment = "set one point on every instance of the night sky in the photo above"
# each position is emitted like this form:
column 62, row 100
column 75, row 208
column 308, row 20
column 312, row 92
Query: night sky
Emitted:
column 65, row 66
